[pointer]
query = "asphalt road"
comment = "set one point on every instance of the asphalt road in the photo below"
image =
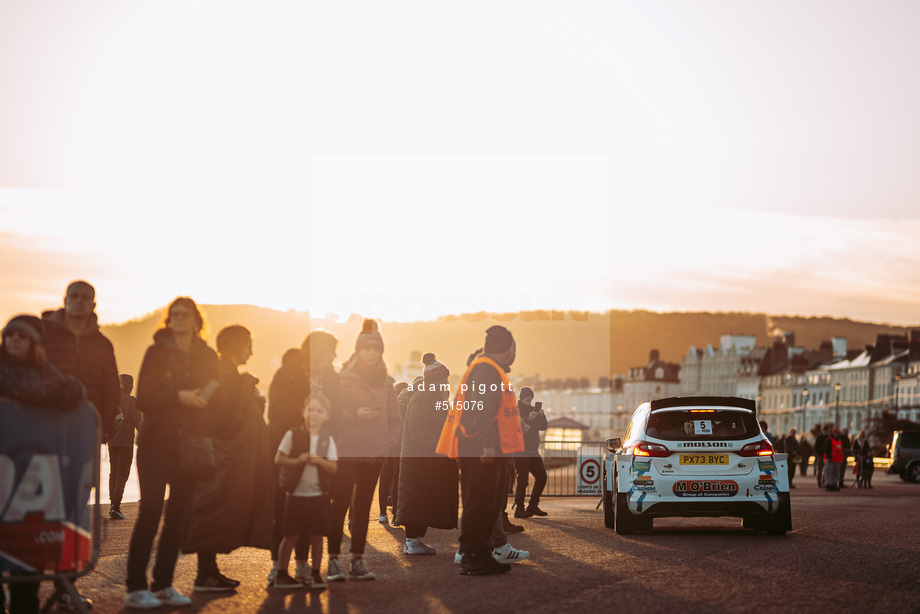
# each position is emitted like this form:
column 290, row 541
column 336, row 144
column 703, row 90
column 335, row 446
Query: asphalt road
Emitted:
column 852, row 551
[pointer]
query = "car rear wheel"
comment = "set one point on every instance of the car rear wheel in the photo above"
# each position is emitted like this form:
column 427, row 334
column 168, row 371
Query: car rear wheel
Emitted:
column 624, row 521
column 781, row 521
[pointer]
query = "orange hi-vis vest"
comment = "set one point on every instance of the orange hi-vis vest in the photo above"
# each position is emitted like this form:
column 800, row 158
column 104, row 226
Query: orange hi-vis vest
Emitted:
column 510, row 437
column 836, row 451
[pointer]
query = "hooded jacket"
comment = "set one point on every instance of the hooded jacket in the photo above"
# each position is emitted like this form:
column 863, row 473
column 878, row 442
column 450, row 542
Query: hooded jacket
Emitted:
column 90, row 357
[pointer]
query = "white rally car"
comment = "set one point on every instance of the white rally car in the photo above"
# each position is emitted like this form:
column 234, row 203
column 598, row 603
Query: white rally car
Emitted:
column 695, row 456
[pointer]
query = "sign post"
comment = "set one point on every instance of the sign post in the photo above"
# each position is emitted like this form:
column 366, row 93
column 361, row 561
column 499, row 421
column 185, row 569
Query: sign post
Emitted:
column 588, row 466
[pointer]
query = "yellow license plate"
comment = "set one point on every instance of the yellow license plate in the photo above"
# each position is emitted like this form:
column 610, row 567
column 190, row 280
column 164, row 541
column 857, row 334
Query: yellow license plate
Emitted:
column 704, row 459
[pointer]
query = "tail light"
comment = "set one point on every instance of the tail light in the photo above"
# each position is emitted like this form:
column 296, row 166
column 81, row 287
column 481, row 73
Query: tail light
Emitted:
column 645, row 448
column 758, row 448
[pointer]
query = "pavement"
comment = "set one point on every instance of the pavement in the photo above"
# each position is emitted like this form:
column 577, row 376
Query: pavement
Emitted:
column 849, row 551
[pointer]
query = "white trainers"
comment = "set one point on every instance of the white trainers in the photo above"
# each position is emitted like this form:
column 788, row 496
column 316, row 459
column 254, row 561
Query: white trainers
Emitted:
column 141, row 600
column 382, row 519
column 509, row 554
column 169, row 596
column 301, row 572
column 272, row 575
column 334, row 572
column 417, row 547
column 458, row 558
column 358, row 571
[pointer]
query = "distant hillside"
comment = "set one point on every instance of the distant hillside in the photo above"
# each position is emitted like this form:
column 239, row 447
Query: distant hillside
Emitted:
column 551, row 344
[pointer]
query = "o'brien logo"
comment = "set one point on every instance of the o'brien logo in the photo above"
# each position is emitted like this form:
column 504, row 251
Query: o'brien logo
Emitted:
column 705, row 488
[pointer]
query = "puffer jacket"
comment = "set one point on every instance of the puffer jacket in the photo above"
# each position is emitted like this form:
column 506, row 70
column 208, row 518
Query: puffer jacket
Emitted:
column 43, row 386
column 90, row 357
column 369, row 440
column 427, row 482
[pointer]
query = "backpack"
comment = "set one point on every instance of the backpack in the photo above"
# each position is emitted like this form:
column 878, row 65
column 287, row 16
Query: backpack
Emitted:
column 289, row 477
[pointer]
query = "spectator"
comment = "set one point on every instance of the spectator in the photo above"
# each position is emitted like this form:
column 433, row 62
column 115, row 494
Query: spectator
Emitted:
column 805, row 450
column 174, row 370
column 289, row 389
column 27, row 377
column 481, row 439
column 820, row 445
column 834, row 461
column 310, row 451
column 75, row 345
column 427, row 482
column 865, row 463
column 766, row 431
column 533, row 420
column 233, row 508
column 388, row 489
column 368, row 426
column 121, row 446
column 792, row 454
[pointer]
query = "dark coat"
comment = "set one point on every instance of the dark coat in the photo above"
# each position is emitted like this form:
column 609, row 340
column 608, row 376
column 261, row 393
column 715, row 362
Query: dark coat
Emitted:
column 234, row 507
column 126, row 422
column 165, row 371
column 428, row 483
column 536, row 422
column 89, row 357
column 286, row 395
column 43, row 386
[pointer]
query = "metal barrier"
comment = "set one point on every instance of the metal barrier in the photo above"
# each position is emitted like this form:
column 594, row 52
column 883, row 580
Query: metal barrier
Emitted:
column 49, row 466
column 563, row 469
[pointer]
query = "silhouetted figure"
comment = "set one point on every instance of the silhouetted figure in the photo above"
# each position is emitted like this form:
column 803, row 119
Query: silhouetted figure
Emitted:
column 121, row 446
column 76, row 346
column 233, row 508
column 174, row 371
column 367, row 428
column 27, row 377
column 529, row 462
column 481, row 438
column 428, row 483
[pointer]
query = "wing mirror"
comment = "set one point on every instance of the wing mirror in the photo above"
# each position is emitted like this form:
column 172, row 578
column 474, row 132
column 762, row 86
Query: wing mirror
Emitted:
column 613, row 444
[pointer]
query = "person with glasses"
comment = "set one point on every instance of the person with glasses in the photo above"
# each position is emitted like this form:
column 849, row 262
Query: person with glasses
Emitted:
column 27, row 377
column 173, row 373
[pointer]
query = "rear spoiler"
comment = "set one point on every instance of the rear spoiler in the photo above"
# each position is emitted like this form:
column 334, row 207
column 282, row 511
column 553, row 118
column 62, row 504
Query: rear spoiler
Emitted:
column 712, row 401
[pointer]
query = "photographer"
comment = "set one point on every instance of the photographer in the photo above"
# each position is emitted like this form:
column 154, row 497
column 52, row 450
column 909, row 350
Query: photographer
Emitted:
column 533, row 420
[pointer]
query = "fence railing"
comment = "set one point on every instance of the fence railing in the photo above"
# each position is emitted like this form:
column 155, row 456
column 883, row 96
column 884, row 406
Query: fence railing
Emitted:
column 561, row 461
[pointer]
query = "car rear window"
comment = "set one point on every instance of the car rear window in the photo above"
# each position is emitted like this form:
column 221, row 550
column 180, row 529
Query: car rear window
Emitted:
column 909, row 440
column 709, row 425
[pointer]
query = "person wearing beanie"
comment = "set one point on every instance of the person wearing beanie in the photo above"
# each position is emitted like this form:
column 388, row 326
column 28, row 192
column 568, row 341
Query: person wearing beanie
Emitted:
column 427, row 482
column 368, row 427
column 482, row 439
column 533, row 420
column 28, row 378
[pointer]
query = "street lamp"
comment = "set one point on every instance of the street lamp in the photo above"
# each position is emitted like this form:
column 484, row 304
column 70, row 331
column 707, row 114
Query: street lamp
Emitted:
column 836, row 403
column 804, row 408
column 897, row 390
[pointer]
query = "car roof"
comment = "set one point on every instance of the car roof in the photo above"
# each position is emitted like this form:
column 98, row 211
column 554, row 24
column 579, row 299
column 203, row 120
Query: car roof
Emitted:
column 704, row 401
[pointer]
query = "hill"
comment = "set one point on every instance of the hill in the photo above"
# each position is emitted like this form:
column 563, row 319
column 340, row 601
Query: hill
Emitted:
column 550, row 343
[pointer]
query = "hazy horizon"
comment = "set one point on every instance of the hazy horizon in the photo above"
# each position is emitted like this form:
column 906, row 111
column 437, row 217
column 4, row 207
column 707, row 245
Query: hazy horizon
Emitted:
column 414, row 159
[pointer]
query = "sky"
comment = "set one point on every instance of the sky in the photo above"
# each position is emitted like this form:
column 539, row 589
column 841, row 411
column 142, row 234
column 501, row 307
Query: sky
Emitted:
column 409, row 159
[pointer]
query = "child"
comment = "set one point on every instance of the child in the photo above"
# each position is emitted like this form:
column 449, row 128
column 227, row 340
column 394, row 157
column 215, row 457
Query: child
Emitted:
column 306, row 509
